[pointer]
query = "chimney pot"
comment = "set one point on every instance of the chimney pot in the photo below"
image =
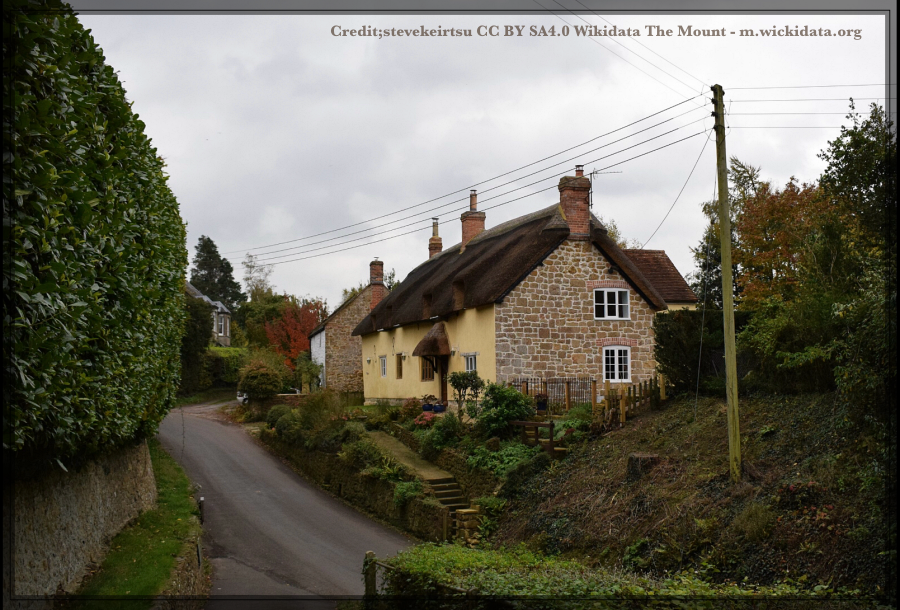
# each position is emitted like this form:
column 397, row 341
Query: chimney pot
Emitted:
column 435, row 244
column 376, row 281
column 473, row 200
column 579, row 171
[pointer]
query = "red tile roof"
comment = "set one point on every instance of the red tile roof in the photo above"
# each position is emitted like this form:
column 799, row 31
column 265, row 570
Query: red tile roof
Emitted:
column 660, row 271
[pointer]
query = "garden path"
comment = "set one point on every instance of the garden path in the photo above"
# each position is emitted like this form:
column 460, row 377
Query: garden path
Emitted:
column 406, row 456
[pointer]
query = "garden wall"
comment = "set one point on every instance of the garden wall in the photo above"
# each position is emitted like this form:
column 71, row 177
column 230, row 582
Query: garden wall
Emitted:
column 63, row 521
column 423, row 517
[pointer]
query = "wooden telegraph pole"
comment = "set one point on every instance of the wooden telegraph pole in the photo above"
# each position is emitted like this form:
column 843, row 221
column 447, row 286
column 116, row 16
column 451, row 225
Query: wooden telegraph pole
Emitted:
column 731, row 385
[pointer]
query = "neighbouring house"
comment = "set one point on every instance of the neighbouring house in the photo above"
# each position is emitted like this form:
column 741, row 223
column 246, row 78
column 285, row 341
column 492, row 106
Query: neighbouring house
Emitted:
column 548, row 295
column 221, row 317
column 332, row 344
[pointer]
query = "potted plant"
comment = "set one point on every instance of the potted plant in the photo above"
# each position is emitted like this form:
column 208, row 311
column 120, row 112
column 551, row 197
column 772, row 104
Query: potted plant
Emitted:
column 540, row 401
column 428, row 402
column 440, row 407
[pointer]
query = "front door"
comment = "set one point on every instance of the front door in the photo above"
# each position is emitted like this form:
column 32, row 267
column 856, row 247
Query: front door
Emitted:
column 444, row 362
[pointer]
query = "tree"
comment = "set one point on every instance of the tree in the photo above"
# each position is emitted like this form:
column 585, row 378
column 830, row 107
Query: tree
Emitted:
column 616, row 235
column 390, row 281
column 214, row 276
column 288, row 335
column 194, row 343
column 256, row 278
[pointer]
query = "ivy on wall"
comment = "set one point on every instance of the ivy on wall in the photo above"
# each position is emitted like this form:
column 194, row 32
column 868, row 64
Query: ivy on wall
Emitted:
column 94, row 246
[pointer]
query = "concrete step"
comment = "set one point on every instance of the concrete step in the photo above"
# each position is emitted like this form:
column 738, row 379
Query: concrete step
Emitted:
column 445, row 486
column 450, row 493
column 440, row 481
column 452, row 500
column 454, row 507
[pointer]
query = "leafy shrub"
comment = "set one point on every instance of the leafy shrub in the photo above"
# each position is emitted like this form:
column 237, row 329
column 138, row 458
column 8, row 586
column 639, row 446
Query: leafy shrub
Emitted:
column 425, row 419
column 755, row 522
column 511, row 572
column 264, row 375
column 361, row 453
column 510, row 455
column 284, row 423
column 320, row 408
column 406, row 491
column 224, row 363
column 500, row 406
column 410, row 409
column 94, row 251
column 275, row 414
column 492, row 509
column 445, row 432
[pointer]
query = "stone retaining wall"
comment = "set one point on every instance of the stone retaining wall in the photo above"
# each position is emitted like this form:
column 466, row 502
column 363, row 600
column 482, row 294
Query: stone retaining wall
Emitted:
column 189, row 583
column 423, row 517
column 63, row 521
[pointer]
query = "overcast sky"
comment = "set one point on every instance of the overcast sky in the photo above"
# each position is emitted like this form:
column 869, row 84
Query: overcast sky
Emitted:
column 274, row 129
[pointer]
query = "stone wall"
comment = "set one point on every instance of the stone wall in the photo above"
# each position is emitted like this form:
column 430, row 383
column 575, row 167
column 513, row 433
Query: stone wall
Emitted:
column 189, row 583
column 63, row 521
column 546, row 328
column 423, row 517
column 343, row 352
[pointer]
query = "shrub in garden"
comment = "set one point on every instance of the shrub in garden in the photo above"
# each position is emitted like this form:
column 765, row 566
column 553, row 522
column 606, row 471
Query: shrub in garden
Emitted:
column 283, row 423
column 94, row 250
column 320, row 408
column 500, row 406
column 425, row 419
column 406, row 491
column 410, row 409
column 510, row 456
column 445, row 432
column 264, row 375
column 521, row 474
column 275, row 414
column 361, row 453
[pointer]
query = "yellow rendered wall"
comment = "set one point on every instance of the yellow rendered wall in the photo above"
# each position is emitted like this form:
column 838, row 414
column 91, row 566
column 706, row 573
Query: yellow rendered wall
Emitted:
column 469, row 331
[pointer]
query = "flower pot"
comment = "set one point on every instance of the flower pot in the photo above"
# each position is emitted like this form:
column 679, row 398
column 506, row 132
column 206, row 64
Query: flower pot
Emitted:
column 439, row 408
column 427, row 407
column 541, row 405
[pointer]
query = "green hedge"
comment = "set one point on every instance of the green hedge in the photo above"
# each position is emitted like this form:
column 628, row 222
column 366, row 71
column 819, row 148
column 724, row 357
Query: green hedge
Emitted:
column 224, row 364
column 94, row 249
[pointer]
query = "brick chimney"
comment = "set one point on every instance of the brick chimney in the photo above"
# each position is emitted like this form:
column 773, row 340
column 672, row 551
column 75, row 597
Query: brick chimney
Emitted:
column 376, row 281
column 573, row 199
column 472, row 221
column 435, row 244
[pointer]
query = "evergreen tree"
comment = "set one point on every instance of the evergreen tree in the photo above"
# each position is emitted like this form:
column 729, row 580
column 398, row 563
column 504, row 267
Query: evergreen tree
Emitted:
column 214, row 276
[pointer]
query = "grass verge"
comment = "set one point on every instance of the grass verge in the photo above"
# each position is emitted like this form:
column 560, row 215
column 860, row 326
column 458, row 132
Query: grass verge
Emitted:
column 143, row 555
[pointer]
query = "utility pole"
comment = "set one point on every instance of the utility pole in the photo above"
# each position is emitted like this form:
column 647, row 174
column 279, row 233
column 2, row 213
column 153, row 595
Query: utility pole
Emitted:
column 731, row 384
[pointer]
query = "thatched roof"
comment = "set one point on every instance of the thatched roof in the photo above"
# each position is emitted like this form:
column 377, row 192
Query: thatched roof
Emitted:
column 492, row 264
column 434, row 343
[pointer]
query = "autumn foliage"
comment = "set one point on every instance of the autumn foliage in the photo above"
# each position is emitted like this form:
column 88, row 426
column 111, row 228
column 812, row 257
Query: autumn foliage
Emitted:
column 288, row 335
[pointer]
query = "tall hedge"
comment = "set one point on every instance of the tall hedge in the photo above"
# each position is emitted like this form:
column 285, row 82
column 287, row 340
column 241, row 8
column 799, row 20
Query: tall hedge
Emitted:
column 94, row 249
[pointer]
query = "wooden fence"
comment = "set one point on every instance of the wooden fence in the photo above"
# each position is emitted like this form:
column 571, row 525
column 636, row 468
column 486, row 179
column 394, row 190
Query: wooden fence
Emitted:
column 608, row 401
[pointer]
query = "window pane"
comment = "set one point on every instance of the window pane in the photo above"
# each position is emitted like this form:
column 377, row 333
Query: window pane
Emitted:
column 609, row 364
column 623, row 304
column 611, row 305
column 599, row 309
column 623, row 364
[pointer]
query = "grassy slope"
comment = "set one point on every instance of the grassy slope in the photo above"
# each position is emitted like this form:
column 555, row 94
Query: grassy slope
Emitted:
column 830, row 527
column 142, row 555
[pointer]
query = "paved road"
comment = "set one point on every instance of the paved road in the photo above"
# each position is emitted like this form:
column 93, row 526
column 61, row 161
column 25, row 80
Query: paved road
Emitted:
column 267, row 531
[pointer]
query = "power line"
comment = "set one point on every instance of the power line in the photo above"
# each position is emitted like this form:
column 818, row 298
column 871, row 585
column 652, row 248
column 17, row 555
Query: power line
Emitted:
column 431, row 210
column 486, row 199
column 819, row 99
column 787, row 127
column 468, row 187
column 643, row 45
column 626, row 48
column 812, row 86
column 613, row 52
column 759, row 113
column 489, row 207
column 671, row 207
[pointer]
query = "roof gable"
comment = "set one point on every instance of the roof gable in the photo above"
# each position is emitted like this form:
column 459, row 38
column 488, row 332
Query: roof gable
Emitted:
column 340, row 308
column 661, row 272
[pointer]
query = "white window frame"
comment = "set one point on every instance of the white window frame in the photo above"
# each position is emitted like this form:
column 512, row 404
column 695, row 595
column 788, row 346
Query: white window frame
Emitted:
column 617, row 352
column 471, row 362
column 221, row 325
column 622, row 310
column 383, row 361
column 227, row 326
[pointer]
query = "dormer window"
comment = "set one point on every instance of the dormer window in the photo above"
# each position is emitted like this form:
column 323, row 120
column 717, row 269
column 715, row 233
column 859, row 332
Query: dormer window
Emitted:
column 611, row 304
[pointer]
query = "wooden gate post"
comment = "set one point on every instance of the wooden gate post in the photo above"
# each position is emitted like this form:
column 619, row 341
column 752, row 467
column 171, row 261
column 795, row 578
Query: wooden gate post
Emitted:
column 568, row 396
column 622, row 405
column 662, row 387
column 525, row 387
column 369, row 566
column 594, row 398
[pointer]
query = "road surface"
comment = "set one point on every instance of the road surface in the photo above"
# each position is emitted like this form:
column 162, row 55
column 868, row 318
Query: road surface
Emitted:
column 267, row 532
